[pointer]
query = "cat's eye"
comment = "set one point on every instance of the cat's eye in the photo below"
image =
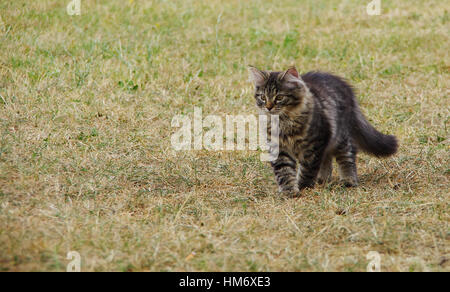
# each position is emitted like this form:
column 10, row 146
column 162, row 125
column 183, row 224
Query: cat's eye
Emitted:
column 279, row 98
column 261, row 96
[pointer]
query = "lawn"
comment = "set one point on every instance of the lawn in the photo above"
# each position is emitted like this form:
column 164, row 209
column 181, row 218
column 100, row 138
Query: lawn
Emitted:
column 87, row 165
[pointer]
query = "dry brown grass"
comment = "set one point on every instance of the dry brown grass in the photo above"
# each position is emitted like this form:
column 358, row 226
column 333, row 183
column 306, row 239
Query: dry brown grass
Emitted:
column 86, row 162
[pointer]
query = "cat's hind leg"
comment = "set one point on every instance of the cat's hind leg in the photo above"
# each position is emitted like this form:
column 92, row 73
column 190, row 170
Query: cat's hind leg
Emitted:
column 346, row 159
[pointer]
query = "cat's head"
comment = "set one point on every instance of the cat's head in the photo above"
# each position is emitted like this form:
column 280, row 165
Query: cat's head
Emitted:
column 278, row 92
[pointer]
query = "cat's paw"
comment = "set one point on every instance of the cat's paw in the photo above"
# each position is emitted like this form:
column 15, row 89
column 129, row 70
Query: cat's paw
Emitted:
column 305, row 185
column 292, row 192
column 349, row 182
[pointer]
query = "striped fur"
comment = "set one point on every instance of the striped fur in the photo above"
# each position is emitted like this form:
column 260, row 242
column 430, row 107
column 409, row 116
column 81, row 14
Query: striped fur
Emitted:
column 319, row 119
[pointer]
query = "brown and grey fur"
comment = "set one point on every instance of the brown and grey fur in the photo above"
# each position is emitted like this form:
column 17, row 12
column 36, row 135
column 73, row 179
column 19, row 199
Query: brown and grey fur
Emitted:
column 319, row 119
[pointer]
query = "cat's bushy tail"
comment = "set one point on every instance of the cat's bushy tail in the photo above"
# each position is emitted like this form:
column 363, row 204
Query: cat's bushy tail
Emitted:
column 369, row 139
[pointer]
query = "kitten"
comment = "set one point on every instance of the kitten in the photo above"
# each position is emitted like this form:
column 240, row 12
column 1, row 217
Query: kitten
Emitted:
column 319, row 119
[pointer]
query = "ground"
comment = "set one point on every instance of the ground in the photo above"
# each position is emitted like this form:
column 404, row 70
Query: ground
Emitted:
column 87, row 165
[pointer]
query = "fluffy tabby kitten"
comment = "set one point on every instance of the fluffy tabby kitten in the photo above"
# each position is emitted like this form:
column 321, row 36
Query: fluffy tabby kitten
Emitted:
column 319, row 119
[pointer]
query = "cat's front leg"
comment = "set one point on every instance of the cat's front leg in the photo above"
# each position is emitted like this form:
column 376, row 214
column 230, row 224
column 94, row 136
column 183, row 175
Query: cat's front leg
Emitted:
column 310, row 163
column 285, row 169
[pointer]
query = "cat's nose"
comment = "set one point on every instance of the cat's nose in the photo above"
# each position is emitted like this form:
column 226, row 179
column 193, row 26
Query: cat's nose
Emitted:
column 269, row 106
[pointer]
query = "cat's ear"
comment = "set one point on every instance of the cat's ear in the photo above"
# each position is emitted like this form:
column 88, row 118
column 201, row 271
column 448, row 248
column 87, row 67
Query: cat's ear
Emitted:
column 258, row 77
column 291, row 71
column 291, row 79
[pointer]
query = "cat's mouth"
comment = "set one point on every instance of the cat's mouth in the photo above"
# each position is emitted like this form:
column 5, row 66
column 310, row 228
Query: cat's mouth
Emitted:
column 273, row 111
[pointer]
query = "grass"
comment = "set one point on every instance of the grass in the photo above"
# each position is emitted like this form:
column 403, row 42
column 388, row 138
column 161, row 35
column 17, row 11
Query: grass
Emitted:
column 86, row 162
